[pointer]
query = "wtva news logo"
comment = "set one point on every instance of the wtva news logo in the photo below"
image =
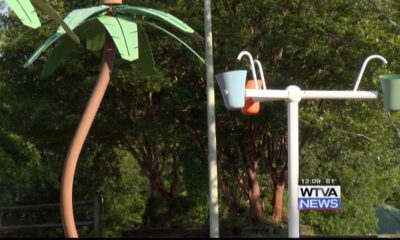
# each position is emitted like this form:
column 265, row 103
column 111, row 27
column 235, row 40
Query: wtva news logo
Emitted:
column 315, row 197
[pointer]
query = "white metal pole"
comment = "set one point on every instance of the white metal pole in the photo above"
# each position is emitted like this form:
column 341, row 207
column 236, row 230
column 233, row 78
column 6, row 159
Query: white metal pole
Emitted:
column 212, row 139
column 293, row 160
column 360, row 75
column 273, row 94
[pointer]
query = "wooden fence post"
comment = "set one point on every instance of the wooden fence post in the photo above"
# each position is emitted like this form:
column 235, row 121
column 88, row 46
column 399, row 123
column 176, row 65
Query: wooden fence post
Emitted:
column 97, row 215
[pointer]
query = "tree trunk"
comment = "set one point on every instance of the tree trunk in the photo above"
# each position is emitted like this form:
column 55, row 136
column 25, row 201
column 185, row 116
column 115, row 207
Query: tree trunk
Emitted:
column 230, row 199
column 67, row 211
column 257, row 213
column 279, row 189
column 278, row 202
column 112, row 2
column 157, row 186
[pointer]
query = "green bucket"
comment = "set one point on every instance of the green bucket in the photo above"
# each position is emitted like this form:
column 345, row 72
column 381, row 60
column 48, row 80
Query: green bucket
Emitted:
column 391, row 91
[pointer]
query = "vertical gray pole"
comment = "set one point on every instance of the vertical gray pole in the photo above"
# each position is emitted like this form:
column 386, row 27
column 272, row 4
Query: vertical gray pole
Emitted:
column 212, row 139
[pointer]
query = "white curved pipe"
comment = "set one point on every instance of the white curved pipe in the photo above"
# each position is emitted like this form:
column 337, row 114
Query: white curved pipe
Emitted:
column 260, row 69
column 360, row 75
column 253, row 69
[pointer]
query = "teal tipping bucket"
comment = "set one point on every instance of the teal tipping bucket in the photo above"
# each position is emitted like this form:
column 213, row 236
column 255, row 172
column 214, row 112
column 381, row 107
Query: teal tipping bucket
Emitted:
column 390, row 84
column 232, row 86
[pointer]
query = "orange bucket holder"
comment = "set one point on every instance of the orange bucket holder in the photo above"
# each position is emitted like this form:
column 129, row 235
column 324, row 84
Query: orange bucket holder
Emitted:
column 252, row 107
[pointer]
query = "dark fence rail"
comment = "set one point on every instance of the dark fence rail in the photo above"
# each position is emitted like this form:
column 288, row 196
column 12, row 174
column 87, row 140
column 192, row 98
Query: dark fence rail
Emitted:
column 95, row 223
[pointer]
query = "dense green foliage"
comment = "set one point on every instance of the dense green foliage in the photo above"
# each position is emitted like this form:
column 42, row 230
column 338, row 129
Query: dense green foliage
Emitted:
column 146, row 152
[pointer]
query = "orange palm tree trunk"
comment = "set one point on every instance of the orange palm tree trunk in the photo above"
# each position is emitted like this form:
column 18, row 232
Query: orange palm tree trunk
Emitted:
column 81, row 133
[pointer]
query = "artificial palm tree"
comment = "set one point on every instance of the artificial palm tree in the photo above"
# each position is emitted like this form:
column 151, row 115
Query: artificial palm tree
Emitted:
column 111, row 26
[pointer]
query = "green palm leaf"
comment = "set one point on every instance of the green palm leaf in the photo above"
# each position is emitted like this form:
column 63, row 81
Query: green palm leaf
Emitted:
column 73, row 20
column 91, row 30
column 178, row 39
column 96, row 41
column 124, row 33
column 45, row 7
column 52, row 39
column 57, row 56
column 25, row 12
column 76, row 17
column 153, row 13
column 146, row 60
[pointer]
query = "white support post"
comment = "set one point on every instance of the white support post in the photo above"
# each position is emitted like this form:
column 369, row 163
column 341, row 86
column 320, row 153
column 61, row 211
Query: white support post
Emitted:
column 293, row 159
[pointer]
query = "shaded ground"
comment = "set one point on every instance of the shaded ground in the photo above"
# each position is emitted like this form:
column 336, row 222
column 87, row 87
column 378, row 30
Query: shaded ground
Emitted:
column 204, row 233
